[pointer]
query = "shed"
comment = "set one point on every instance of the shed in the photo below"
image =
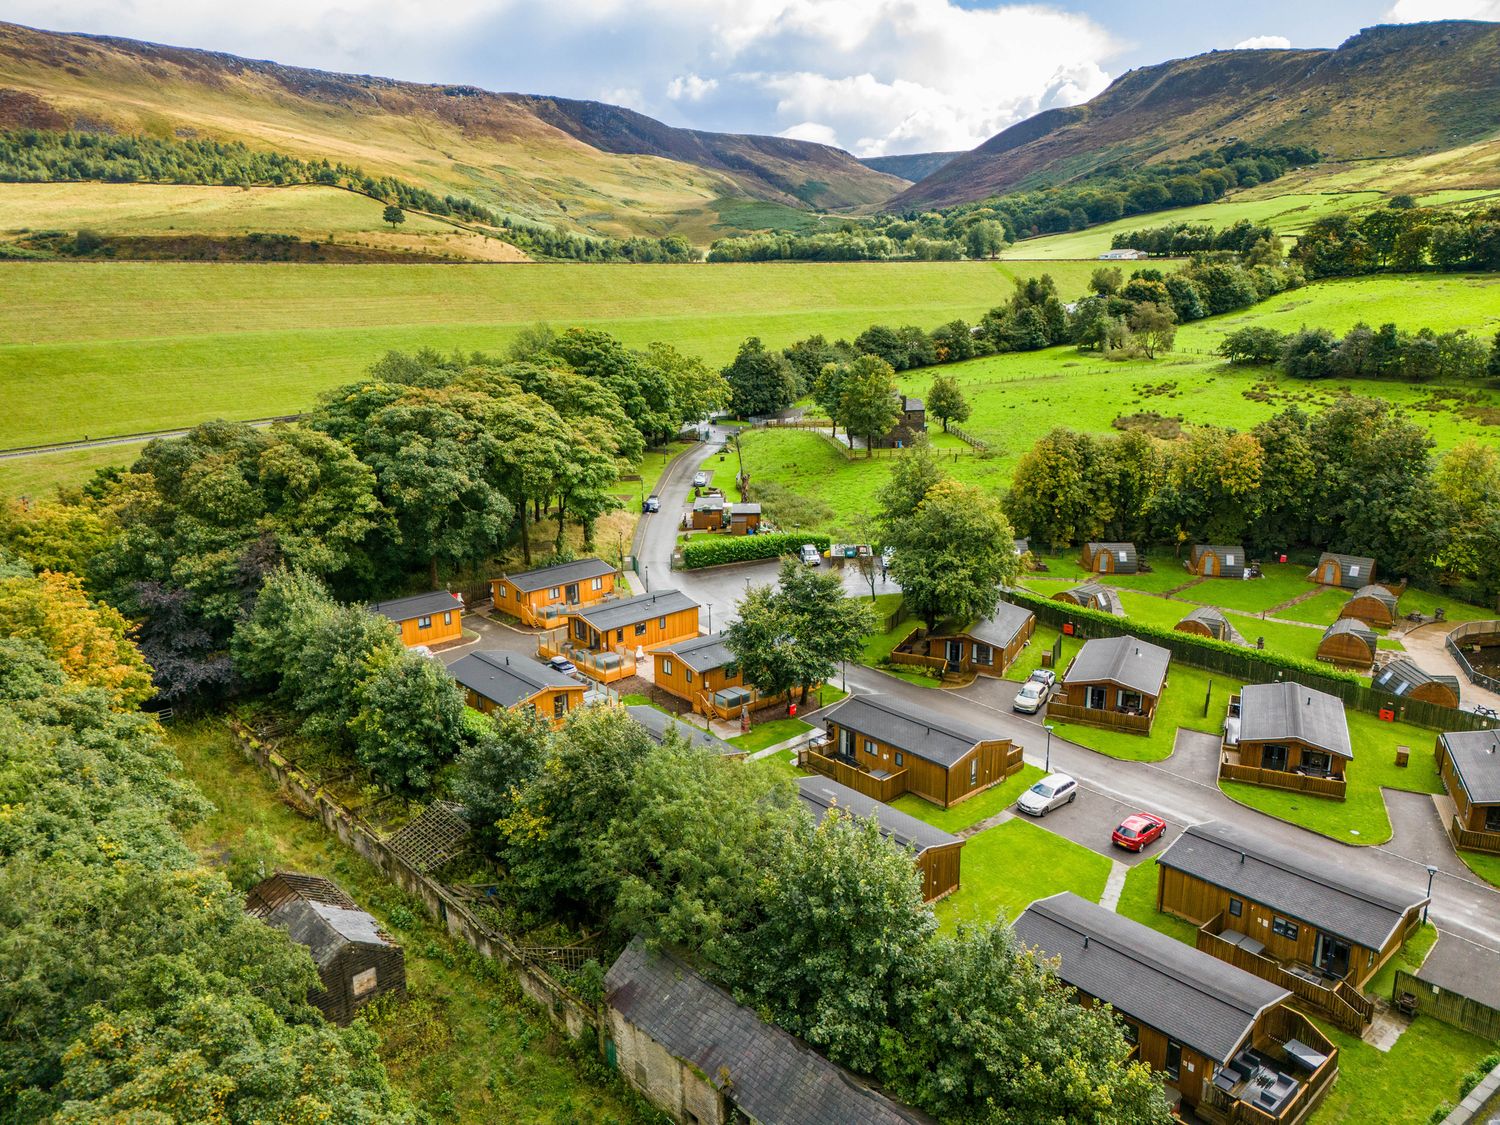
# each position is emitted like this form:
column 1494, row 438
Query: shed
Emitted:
column 1207, row 621
column 1092, row 595
column 708, row 513
column 1209, row 561
column 744, row 518
column 1348, row 641
column 1021, row 546
column 1348, row 571
column 1404, row 679
column 1373, row 604
column 1110, row 558
column 356, row 960
column 936, row 852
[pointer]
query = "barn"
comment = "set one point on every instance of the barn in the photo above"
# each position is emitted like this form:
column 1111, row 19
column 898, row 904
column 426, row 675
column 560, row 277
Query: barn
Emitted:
column 1348, row 641
column 1109, row 558
column 1206, row 621
column 1373, row 604
column 1404, row 679
column 1208, row 561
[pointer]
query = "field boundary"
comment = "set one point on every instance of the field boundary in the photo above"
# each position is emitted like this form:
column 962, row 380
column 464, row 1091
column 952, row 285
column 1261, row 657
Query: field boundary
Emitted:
column 130, row 439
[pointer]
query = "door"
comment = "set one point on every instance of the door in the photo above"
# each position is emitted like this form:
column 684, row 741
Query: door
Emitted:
column 954, row 654
column 1331, row 574
column 1173, row 1065
column 1273, row 757
column 846, row 743
column 1096, row 698
column 572, row 592
column 1332, row 956
column 1210, row 564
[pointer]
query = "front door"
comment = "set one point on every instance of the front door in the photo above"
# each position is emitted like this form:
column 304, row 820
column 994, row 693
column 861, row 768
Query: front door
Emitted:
column 846, row 743
column 572, row 592
column 1332, row 956
column 1210, row 564
column 1273, row 757
column 1096, row 698
column 1331, row 574
column 954, row 654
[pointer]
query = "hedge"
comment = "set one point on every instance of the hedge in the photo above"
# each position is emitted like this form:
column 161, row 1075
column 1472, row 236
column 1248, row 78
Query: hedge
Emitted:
column 722, row 549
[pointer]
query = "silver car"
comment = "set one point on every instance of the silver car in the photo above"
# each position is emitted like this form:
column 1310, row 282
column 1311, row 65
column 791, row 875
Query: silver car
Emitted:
column 1030, row 698
column 1052, row 791
column 700, row 479
column 810, row 555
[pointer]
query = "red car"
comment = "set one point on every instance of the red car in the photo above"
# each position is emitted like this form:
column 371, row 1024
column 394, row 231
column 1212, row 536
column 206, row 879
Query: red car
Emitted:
column 1138, row 830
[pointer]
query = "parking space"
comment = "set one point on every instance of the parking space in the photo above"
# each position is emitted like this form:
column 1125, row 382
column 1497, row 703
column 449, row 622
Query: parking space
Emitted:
column 1092, row 817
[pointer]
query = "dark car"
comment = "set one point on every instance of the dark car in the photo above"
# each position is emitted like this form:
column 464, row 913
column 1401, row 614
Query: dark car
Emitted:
column 1138, row 830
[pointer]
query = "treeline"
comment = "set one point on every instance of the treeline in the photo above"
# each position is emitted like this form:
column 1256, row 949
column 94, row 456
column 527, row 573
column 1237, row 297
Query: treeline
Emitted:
column 137, row 987
column 1402, row 239
column 44, row 156
column 1359, row 478
column 1387, row 352
column 855, row 244
column 1177, row 240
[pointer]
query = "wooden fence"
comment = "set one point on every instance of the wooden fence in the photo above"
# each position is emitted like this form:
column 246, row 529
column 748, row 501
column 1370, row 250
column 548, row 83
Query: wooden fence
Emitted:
column 1450, row 1007
column 1472, row 840
column 1098, row 717
column 979, row 445
column 1455, row 641
column 885, row 789
column 1334, row 787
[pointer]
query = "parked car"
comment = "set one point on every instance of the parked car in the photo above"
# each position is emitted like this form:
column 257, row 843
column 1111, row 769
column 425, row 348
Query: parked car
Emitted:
column 700, row 478
column 1044, row 676
column 1139, row 829
column 562, row 664
column 652, row 503
column 809, row 555
column 1030, row 698
column 1053, row 791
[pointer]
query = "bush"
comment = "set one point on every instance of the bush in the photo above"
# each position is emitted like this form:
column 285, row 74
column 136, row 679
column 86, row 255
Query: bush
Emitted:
column 744, row 548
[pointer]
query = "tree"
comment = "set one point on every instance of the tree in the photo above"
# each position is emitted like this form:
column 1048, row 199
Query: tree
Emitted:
column 505, row 752
column 584, row 477
column 984, row 239
column 1308, row 353
column 1051, row 497
column 393, row 215
column 529, row 455
column 1467, row 484
column 912, row 478
column 406, row 719
column 1253, row 345
column 1154, row 326
column 760, row 382
column 764, row 648
column 828, row 390
column 952, row 554
column 1106, row 280
column 946, row 402
column 828, row 627
column 869, row 404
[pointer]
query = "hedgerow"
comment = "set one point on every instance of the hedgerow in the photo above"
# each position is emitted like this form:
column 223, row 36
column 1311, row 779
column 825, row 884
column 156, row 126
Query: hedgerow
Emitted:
column 744, row 548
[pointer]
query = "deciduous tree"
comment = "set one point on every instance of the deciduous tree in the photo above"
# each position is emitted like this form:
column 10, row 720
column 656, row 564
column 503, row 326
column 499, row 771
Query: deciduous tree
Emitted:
column 946, row 402
column 952, row 554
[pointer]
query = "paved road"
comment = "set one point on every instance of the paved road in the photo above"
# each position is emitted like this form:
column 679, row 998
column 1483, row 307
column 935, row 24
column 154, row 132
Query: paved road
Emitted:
column 123, row 439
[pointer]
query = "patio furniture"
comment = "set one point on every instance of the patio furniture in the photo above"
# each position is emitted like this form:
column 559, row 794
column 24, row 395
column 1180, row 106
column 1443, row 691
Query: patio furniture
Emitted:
column 1303, row 1055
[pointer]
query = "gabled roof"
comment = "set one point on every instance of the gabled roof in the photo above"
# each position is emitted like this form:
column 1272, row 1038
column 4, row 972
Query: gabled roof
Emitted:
column 1002, row 626
column 701, row 654
column 1303, row 885
column 709, row 504
column 1476, row 759
column 316, row 913
column 1400, row 676
column 658, row 723
column 909, row 727
column 771, row 1076
column 1192, row 997
column 507, row 679
column 1378, row 592
column 1272, row 712
column 1354, row 570
column 418, row 605
column 744, row 509
column 1128, row 661
column 642, row 607
column 579, row 570
column 1219, row 625
column 1352, row 625
column 820, row 794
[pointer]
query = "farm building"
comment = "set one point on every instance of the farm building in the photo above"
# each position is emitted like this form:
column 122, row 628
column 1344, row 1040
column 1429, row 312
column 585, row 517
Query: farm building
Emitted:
column 1206, row 621
column 658, row 724
column 912, row 421
column 936, row 852
column 1125, row 255
column 1109, row 558
column 1469, row 762
column 1286, row 736
column 1348, row 571
column 1348, row 641
column 986, row 647
column 356, row 960
column 500, row 680
column 709, row 513
column 1404, row 679
column 1222, row 1039
column 1092, row 595
column 705, row 1060
column 883, row 748
column 698, row 671
column 1374, row 605
column 538, row 596
column 1289, row 906
column 744, row 519
column 425, row 619
column 1217, row 562
column 1113, row 682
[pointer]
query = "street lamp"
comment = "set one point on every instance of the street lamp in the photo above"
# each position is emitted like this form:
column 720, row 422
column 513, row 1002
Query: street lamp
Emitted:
column 1048, row 766
column 710, row 616
column 645, row 579
column 1431, row 874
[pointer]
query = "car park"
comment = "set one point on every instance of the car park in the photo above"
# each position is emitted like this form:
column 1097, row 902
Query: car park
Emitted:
column 1053, row 791
column 562, row 664
column 809, row 555
column 1139, row 829
column 1030, row 698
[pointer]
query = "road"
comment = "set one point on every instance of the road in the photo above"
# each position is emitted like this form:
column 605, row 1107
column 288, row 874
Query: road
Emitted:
column 124, row 439
column 1183, row 788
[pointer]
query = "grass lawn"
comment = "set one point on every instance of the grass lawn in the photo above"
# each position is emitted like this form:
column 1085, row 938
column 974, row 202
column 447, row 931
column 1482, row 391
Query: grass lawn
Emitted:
column 1138, row 902
column 42, row 475
column 1008, row 867
column 975, row 809
column 1279, row 582
column 1421, row 601
column 1361, row 819
column 465, row 1044
column 1487, row 867
column 1181, row 705
column 1409, row 957
column 1401, row 1086
column 878, row 646
column 1042, row 641
column 1320, row 609
column 769, row 734
column 784, row 765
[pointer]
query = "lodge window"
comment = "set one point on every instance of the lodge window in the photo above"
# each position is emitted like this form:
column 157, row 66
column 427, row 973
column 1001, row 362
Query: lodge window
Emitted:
column 1492, row 819
column 661, row 622
column 424, row 623
column 640, row 630
column 1315, row 761
column 1284, row 927
column 1095, row 698
column 448, row 618
column 983, row 654
column 1131, row 702
column 869, row 748
column 555, row 592
column 666, row 667
column 619, row 636
column 597, row 584
column 687, row 674
column 900, row 758
column 1174, row 1060
column 1132, row 1032
column 559, row 706
column 1236, row 907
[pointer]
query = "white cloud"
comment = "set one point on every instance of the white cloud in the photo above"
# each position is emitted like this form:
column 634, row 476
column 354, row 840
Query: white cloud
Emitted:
column 1263, row 43
column 691, row 87
column 810, row 131
column 1415, row 11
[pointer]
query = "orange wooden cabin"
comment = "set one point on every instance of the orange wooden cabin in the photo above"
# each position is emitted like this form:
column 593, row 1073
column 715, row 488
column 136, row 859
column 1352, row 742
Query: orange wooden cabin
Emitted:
column 429, row 619
column 510, row 682
column 538, row 597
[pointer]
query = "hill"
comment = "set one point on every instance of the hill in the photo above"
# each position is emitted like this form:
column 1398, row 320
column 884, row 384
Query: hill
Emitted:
column 912, row 166
column 1388, row 91
column 583, row 165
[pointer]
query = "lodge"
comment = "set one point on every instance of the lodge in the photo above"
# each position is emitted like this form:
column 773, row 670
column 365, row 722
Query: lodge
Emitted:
column 1092, row 595
column 540, row 597
column 1348, row 641
column 1348, row 571
column 1207, row 621
column 1372, row 604
column 1469, row 762
column 1403, row 679
column 1286, row 736
column 434, row 618
column 701, row 672
column 1208, row 561
column 503, row 681
column 986, row 647
column 603, row 639
column 1109, row 558
column 1113, row 682
column 659, row 724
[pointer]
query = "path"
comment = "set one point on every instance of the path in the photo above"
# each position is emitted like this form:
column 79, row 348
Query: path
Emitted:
column 1114, row 887
column 1425, row 645
column 125, row 439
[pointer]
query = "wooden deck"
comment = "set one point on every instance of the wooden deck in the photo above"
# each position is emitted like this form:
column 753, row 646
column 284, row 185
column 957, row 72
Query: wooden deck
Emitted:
column 886, row 788
column 1332, row 787
column 1281, row 1026
column 1471, row 840
column 1098, row 717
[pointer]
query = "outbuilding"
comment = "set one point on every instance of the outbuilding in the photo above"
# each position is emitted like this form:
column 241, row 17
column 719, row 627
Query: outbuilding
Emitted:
column 1109, row 558
column 1349, row 571
column 1348, row 641
column 709, row 513
column 1208, row 561
column 1405, row 680
column 1207, row 621
column 1092, row 595
column 1373, row 604
column 744, row 519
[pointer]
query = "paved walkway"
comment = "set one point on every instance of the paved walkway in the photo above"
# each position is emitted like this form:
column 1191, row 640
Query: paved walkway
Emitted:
column 1425, row 645
column 1115, row 886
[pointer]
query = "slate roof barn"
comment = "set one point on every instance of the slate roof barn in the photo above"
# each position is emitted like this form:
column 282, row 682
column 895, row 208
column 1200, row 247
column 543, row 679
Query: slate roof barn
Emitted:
column 1404, row 679
column 356, row 960
column 1288, row 711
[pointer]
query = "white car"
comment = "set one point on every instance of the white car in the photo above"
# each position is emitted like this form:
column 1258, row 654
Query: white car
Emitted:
column 700, row 479
column 1052, row 791
column 810, row 556
column 1044, row 676
column 1030, row 698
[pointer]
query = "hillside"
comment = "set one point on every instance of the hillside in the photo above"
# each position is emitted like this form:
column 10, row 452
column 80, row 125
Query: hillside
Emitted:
column 1388, row 91
column 583, row 165
column 912, row 166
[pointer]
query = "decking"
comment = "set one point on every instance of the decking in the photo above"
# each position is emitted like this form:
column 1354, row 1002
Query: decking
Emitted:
column 1098, row 717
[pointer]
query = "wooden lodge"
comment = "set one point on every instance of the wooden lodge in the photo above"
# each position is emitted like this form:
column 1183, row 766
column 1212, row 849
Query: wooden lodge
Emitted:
column 911, row 420
column 701, row 672
column 1109, row 558
column 1403, row 679
column 1289, row 915
column 1350, row 642
column 1113, row 682
column 356, row 960
column 1373, row 604
column 1226, row 1043
column 1469, row 762
column 709, row 513
column 434, row 618
column 541, row 597
column 1349, row 571
column 1208, row 561
column 935, row 852
column 1092, row 595
column 744, row 519
column 986, row 647
column 1286, row 736
column 1208, row 621
column 659, row 725
column 511, row 682
column 884, row 748
column 603, row 639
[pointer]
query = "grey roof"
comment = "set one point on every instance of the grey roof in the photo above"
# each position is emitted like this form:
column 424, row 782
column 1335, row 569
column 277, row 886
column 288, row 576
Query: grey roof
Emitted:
column 1021, row 545
column 642, row 607
column 744, row 509
column 1461, row 966
column 908, row 403
column 1302, row 884
column 822, row 793
column 1002, row 626
column 1400, row 676
column 319, row 915
column 507, row 678
column 1224, row 552
column 1217, row 623
column 911, row 728
column 1127, row 661
column 772, row 1077
column 418, row 605
column 709, row 504
column 1272, row 712
column 1476, row 758
column 1122, row 565
column 1354, row 570
column 561, row 575
column 1192, row 997
column 1376, row 591
column 1094, row 596
column 658, row 723
column 702, row 654
column 1352, row 625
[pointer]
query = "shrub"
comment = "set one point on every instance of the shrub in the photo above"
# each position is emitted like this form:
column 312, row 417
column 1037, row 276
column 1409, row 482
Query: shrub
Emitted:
column 744, row 548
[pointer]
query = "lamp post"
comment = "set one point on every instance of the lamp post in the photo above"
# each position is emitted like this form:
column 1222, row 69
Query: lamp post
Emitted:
column 1431, row 874
column 645, row 578
column 1048, row 766
column 710, row 606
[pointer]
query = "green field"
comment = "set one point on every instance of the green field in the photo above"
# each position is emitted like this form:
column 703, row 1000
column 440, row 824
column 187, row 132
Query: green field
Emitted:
column 1008, row 867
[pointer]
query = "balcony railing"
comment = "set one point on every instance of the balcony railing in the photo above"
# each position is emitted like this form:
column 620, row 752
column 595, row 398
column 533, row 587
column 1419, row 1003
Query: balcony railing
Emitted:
column 883, row 788
column 1236, row 1105
column 1230, row 770
column 1472, row 840
column 1099, row 717
column 606, row 667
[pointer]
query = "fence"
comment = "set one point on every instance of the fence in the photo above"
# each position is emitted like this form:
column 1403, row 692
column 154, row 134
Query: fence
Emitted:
column 1473, row 840
column 1334, row 787
column 978, row 444
column 885, row 789
column 1098, row 717
column 896, row 616
column 1443, row 1004
column 1454, row 643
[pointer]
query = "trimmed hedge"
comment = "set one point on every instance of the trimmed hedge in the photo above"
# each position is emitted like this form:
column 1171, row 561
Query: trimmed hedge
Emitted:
column 722, row 549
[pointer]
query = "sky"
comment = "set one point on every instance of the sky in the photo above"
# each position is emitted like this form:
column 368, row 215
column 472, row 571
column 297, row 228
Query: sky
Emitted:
column 877, row 77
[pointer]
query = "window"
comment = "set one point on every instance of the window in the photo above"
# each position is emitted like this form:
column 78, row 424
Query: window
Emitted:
column 1353, row 570
column 983, row 654
column 661, row 622
column 1095, row 698
column 974, row 771
column 666, row 667
column 1315, row 761
column 1272, row 757
column 424, row 623
column 900, row 758
column 1285, row 927
column 1132, row 1033
column 559, row 705
column 448, row 619
column 869, row 748
column 619, row 636
column 364, row 982
column 1236, row 907
column 1174, row 1059
column 597, row 584
column 688, row 674
column 1492, row 819
column 640, row 630
column 555, row 592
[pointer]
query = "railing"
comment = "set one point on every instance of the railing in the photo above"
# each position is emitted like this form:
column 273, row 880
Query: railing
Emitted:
column 1470, row 629
column 1472, row 840
column 1332, row 787
column 885, row 789
column 606, row 667
column 1098, row 717
column 1280, row 1026
column 1340, row 1003
column 963, row 435
column 934, row 663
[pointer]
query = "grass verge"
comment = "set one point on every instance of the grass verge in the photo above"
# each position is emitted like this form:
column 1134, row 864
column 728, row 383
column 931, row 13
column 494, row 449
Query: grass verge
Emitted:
column 769, row 734
column 1008, row 867
column 1138, row 902
column 1403, row 1085
column 975, row 809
